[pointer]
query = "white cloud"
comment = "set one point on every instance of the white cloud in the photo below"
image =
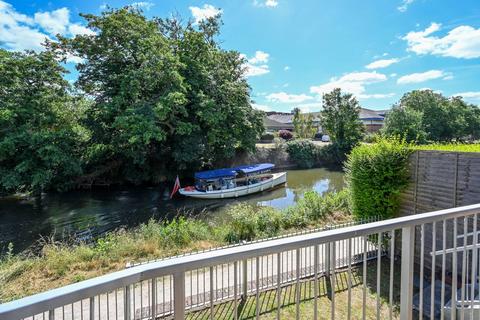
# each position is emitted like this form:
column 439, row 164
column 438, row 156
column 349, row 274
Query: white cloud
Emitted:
column 260, row 57
column 393, row 75
column 422, row 76
column 20, row 32
column 404, row 6
column 261, row 107
column 284, row 97
column 16, row 31
column 253, row 70
column 383, row 63
column 77, row 29
column 354, row 83
column 208, row 11
column 265, row 3
column 286, row 68
column 257, row 65
column 271, row 3
column 471, row 96
column 143, row 5
column 53, row 22
column 461, row 42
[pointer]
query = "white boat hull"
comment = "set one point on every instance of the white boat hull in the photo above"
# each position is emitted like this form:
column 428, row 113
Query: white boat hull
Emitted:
column 276, row 180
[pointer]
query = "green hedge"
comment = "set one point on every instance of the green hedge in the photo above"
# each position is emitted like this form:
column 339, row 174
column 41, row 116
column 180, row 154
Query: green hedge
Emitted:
column 303, row 152
column 376, row 174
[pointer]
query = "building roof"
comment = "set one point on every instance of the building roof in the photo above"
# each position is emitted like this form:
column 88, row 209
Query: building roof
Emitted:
column 270, row 123
column 281, row 117
column 287, row 118
column 367, row 114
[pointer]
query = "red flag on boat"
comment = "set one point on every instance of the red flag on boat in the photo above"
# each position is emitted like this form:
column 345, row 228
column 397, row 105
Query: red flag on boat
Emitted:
column 176, row 187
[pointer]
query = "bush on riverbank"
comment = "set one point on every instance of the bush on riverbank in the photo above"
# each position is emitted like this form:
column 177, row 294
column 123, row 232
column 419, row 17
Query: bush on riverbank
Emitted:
column 303, row 152
column 249, row 222
column 376, row 174
column 60, row 264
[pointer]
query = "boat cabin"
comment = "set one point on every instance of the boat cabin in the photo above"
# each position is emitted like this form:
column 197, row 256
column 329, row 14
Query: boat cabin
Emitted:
column 230, row 178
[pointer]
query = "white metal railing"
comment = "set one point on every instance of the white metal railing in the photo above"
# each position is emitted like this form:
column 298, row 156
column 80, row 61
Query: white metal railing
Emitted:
column 207, row 281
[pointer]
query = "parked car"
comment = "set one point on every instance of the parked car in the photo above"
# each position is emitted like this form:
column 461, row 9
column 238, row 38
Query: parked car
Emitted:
column 325, row 138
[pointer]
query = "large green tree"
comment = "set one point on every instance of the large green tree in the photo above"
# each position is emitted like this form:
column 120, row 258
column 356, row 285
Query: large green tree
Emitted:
column 405, row 123
column 434, row 116
column 340, row 120
column 166, row 96
column 40, row 139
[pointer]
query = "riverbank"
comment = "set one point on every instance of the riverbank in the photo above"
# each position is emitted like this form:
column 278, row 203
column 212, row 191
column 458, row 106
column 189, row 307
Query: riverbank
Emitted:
column 89, row 214
column 62, row 263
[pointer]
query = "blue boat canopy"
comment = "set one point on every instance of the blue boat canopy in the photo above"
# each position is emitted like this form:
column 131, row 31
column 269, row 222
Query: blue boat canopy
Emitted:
column 214, row 174
column 232, row 172
column 247, row 169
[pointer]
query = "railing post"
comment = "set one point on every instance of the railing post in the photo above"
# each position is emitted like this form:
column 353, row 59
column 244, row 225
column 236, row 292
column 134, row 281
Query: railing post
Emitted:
column 179, row 295
column 92, row 308
column 126, row 303
column 245, row 280
column 51, row 314
column 406, row 282
column 327, row 257
column 153, row 311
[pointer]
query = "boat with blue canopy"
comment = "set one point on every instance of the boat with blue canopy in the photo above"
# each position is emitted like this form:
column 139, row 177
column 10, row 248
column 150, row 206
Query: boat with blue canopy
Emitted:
column 234, row 182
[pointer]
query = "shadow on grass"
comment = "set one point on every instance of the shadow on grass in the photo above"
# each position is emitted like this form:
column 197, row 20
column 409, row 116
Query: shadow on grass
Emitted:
column 269, row 303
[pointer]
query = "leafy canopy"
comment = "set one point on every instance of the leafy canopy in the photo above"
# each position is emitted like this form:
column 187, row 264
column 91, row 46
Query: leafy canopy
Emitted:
column 39, row 137
column 340, row 120
column 423, row 115
column 166, row 96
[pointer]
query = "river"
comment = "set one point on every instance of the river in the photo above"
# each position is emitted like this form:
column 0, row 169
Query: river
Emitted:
column 86, row 214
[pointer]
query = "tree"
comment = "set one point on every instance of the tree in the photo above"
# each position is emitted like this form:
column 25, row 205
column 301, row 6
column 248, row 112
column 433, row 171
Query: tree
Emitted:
column 340, row 120
column 405, row 123
column 442, row 119
column 304, row 127
column 40, row 140
column 166, row 96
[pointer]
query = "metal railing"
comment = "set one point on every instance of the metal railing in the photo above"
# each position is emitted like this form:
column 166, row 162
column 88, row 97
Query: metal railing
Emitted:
column 338, row 265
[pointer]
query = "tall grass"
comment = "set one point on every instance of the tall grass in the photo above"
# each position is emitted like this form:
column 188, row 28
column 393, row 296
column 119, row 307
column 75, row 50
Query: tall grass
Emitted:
column 61, row 264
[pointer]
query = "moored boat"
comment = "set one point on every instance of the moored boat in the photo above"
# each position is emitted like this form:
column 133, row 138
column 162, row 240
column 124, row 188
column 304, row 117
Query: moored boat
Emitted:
column 234, row 182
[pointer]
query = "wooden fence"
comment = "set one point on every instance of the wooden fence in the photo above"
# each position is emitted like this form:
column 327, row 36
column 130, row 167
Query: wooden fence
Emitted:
column 441, row 180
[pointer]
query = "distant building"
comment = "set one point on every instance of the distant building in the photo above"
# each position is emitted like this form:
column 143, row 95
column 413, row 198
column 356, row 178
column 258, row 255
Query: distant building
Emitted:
column 274, row 121
column 372, row 119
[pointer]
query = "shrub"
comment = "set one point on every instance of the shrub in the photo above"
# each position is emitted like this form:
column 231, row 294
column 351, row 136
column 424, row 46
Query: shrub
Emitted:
column 249, row 222
column 303, row 152
column 285, row 134
column 370, row 137
column 375, row 175
column 267, row 137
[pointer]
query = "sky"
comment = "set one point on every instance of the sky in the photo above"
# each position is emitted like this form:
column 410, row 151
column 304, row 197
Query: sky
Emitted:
column 299, row 49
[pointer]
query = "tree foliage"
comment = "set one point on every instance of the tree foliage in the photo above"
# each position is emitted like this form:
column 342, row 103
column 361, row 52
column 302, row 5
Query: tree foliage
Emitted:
column 39, row 138
column 167, row 97
column 304, row 127
column 340, row 120
column 376, row 174
column 426, row 115
column 154, row 97
column 406, row 123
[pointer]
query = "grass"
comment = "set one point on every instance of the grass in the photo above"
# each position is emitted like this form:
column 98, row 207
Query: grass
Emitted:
column 62, row 263
column 454, row 147
column 268, row 299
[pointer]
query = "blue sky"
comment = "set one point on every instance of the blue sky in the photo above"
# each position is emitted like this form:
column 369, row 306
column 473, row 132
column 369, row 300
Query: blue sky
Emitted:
column 299, row 49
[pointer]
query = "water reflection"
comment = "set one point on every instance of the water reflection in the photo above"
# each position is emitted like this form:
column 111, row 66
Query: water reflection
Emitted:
column 87, row 214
